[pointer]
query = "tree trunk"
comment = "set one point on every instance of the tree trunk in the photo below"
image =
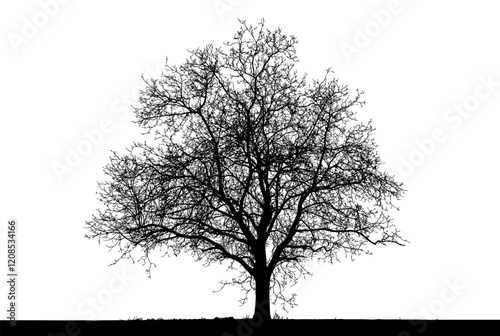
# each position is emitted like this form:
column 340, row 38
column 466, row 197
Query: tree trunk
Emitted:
column 262, row 304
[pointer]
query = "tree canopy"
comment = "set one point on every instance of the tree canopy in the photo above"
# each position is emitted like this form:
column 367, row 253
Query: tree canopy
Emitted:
column 252, row 164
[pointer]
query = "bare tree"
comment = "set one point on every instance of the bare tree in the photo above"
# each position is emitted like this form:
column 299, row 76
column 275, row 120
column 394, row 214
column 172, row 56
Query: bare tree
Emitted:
column 250, row 165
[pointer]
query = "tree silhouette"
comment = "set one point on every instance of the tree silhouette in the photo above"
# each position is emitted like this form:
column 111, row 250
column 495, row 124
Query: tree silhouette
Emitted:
column 249, row 165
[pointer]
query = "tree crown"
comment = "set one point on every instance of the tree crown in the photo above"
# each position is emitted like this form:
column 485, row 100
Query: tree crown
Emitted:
column 251, row 164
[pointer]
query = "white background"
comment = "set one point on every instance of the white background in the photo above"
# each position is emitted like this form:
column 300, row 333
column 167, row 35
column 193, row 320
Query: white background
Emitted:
column 81, row 66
